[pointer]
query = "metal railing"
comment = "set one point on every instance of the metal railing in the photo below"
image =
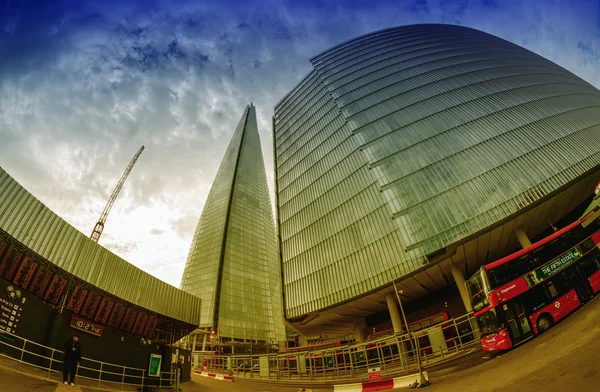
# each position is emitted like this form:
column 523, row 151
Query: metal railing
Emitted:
column 47, row 361
column 393, row 354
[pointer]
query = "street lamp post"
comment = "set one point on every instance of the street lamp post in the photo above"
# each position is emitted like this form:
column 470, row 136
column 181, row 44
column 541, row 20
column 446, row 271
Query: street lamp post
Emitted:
column 414, row 346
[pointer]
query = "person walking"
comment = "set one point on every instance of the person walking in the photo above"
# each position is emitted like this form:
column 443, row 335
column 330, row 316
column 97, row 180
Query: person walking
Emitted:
column 72, row 359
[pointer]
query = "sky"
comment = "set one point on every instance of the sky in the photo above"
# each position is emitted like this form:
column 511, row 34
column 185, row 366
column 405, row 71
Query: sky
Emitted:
column 83, row 85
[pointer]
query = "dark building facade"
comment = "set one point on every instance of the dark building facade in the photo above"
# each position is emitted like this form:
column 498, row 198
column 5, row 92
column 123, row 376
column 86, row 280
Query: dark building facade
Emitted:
column 55, row 281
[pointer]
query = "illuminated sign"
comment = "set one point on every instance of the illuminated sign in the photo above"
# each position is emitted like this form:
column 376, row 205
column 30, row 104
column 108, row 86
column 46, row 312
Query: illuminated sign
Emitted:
column 86, row 326
column 557, row 264
column 510, row 290
column 154, row 368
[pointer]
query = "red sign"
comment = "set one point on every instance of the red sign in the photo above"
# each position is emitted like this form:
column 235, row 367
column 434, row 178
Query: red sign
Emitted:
column 150, row 327
column 40, row 281
column 104, row 310
column 140, row 323
column 91, row 304
column 77, row 297
column 129, row 319
column 57, row 286
column 374, row 374
column 9, row 263
column 508, row 291
column 116, row 315
column 2, row 246
column 25, row 272
column 85, row 326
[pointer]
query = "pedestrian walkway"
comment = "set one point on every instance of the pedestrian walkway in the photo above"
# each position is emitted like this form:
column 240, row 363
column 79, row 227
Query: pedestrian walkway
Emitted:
column 67, row 388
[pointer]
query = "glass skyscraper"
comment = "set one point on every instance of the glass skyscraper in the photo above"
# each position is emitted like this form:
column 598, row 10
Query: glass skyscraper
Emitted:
column 410, row 151
column 233, row 263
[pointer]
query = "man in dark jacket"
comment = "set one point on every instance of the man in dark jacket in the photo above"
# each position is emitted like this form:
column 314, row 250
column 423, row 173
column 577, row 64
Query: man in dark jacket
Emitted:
column 72, row 359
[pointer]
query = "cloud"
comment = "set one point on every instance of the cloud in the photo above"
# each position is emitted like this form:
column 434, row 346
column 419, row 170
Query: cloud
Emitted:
column 84, row 85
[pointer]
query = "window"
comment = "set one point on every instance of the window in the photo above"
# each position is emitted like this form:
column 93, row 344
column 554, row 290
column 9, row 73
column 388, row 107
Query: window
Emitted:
column 477, row 292
column 489, row 323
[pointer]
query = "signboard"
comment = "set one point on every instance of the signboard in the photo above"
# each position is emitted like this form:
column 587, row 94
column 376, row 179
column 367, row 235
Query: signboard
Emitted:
column 553, row 267
column 154, row 369
column 40, row 281
column 330, row 362
column 104, row 310
column 509, row 290
column 86, row 326
column 25, row 272
column 116, row 316
column 10, row 313
column 374, row 374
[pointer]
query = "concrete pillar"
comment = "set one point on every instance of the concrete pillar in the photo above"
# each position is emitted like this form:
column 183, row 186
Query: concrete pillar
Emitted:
column 194, row 341
column 522, row 237
column 358, row 331
column 459, row 278
column 302, row 341
column 392, row 304
column 204, row 341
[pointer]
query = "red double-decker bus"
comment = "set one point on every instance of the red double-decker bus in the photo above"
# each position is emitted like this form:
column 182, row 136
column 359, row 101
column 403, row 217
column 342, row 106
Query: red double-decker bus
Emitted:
column 527, row 292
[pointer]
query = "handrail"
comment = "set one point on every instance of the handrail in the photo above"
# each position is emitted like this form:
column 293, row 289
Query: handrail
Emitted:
column 394, row 354
column 128, row 373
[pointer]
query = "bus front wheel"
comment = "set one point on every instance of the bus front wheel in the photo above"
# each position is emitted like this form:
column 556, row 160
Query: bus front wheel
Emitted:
column 544, row 323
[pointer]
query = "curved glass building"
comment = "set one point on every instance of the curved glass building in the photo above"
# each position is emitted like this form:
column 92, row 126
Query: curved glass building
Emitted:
column 416, row 154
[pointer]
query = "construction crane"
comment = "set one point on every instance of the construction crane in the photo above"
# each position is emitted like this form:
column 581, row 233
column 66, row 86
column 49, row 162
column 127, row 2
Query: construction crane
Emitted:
column 100, row 225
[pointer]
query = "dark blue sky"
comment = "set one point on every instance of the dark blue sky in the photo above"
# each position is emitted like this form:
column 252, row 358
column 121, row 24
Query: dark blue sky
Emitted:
column 84, row 84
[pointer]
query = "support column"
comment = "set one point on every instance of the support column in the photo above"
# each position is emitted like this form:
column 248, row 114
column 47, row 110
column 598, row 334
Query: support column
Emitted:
column 204, row 342
column 194, row 341
column 459, row 279
column 522, row 237
column 358, row 331
column 392, row 305
column 302, row 341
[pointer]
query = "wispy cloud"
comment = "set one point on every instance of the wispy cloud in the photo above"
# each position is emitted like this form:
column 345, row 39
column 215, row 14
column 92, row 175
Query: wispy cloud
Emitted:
column 84, row 85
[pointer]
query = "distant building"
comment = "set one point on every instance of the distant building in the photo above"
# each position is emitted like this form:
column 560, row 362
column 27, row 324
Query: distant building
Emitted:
column 233, row 263
column 418, row 154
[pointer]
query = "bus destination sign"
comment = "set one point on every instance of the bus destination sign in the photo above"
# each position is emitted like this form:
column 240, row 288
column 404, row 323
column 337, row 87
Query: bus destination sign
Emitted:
column 86, row 326
column 553, row 267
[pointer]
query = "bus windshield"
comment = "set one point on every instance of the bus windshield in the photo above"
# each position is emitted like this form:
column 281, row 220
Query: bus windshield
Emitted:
column 489, row 323
column 477, row 292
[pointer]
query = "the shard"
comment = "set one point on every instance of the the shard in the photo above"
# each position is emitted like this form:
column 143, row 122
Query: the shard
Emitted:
column 233, row 263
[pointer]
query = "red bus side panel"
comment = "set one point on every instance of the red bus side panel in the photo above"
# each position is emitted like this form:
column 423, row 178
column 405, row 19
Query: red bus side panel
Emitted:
column 595, row 281
column 558, row 309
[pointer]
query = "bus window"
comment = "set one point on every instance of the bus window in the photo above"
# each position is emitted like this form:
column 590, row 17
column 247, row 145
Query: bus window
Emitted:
column 439, row 319
column 587, row 245
column 489, row 323
column 550, row 290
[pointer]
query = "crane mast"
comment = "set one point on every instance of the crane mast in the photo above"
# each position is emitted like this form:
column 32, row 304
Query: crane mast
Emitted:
column 100, row 225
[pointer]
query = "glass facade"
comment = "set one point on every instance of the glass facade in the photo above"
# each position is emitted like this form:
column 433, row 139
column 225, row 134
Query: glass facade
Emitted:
column 407, row 140
column 233, row 264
